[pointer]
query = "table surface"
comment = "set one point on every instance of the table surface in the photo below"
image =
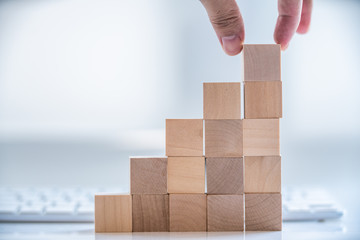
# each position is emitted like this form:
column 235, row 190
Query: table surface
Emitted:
column 337, row 229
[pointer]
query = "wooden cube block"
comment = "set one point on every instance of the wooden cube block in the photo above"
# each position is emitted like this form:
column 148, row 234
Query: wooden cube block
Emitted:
column 222, row 100
column 263, row 99
column 113, row 213
column 187, row 212
column 224, row 175
column 261, row 137
column 225, row 213
column 151, row 213
column 223, row 138
column 263, row 212
column 262, row 62
column 263, row 174
column 148, row 175
column 186, row 174
column 184, row 137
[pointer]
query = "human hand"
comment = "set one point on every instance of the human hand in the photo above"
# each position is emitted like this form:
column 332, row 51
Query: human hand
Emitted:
column 225, row 17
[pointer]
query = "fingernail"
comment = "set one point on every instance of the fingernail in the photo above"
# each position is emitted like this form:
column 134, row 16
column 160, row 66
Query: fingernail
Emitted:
column 232, row 44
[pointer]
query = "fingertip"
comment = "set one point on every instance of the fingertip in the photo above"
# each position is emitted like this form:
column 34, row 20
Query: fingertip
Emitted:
column 284, row 46
column 232, row 45
column 284, row 30
column 301, row 31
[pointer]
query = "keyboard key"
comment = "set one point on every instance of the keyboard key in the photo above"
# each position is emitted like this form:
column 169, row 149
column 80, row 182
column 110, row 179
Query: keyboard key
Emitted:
column 85, row 210
column 60, row 210
column 8, row 209
column 321, row 205
column 31, row 210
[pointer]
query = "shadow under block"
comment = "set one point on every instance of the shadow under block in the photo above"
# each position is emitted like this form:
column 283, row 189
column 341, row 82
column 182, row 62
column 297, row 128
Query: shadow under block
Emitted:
column 222, row 100
column 263, row 99
column 186, row 175
column 263, row 212
column 262, row 174
column 187, row 212
column 224, row 138
column 261, row 137
column 151, row 213
column 113, row 213
column 148, row 175
column 262, row 62
column 225, row 213
column 224, row 175
column 184, row 137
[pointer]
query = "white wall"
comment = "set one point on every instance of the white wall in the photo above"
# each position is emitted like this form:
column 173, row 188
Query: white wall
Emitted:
column 85, row 66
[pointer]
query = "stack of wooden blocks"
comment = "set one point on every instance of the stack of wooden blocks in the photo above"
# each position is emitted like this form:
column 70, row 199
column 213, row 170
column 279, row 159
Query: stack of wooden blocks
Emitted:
column 241, row 166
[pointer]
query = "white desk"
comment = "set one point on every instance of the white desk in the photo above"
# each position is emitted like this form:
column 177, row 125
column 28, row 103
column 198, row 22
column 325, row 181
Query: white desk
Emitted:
column 297, row 230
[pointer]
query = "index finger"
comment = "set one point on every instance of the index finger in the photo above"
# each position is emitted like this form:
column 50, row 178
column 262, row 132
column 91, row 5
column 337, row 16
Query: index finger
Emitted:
column 288, row 21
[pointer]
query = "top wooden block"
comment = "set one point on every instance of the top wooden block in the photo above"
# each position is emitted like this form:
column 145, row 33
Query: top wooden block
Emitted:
column 222, row 100
column 262, row 62
column 184, row 137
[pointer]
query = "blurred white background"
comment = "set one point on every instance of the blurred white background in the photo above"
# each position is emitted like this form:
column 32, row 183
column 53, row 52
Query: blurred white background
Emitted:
column 85, row 84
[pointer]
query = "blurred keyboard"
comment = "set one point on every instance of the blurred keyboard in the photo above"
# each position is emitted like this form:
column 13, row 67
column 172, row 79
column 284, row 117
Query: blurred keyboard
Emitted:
column 309, row 205
column 48, row 204
column 77, row 204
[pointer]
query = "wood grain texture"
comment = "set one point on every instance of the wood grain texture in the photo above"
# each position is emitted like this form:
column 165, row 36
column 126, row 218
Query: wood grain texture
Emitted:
column 187, row 212
column 223, row 138
column 262, row 62
column 222, row 100
column 261, row 137
column 263, row 212
column 151, row 213
column 263, row 174
column 263, row 99
column 184, row 137
column 225, row 213
column 113, row 213
column 224, row 175
column 148, row 175
column 186, row 175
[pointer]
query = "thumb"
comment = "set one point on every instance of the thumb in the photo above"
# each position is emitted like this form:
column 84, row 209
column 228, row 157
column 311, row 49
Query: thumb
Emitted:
column 228, row 24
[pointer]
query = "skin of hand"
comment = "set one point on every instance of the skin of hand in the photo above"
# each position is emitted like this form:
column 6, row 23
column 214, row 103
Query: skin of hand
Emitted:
column 225, row 17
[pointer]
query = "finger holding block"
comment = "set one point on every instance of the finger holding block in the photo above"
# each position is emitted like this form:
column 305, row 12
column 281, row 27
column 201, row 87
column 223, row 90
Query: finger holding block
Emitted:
column 262, row 174
column 224, row 138
column 225, row 213
column 222, row 100
column 148, row 175
column 263, row 99
column 187, row 212
column 262, row 62
column 113, row 213
column 186, row 174
column 150, row 213
column 263, row 212
column 225, row 175
column 184, row 137
column 261, row 137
